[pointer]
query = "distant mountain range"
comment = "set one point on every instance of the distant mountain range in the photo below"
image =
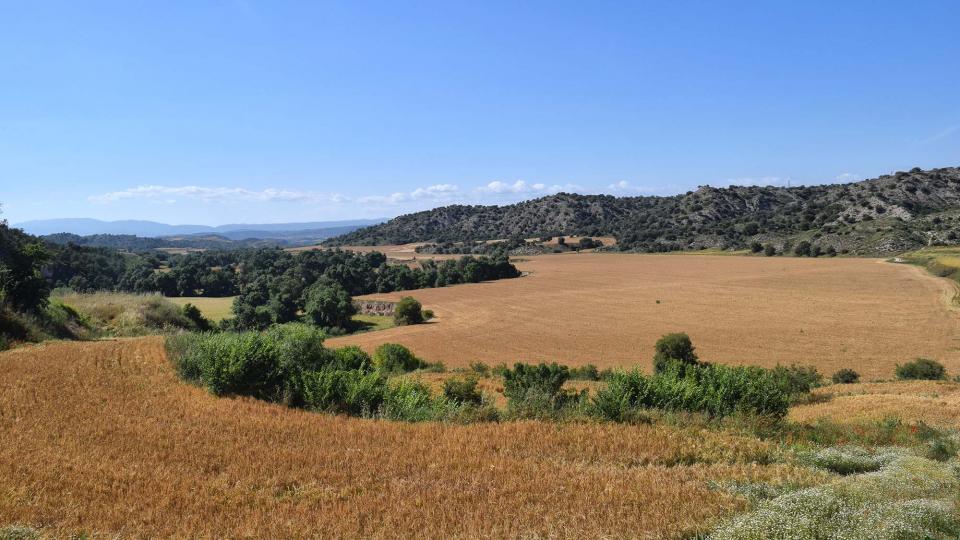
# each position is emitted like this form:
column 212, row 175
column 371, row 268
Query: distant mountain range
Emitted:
column 889, row 214
column 153, row 229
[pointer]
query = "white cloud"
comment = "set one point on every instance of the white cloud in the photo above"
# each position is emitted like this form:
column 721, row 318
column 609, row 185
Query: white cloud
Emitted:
column 521, row 187
column 626, row 188
column 437, row 192
column 401, row 201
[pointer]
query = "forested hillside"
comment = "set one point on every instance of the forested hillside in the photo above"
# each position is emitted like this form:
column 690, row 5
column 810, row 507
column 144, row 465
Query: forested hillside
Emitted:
column 888, row 214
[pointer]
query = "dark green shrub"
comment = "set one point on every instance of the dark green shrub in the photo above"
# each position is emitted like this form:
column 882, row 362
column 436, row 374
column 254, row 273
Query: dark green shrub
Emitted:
column 676, row 346
column 351, row 357
column 769, row 250
column 536, row 391
column 921, row 368
column 845, row 376
column 796, row 380
column 499, row 370
column 462, row 390
column 408, row 311
column 192, row 313
column 395, row 358
column 266, row 365
column 480, row 368
column 411, row 401
column 588, row 372
column 546, row 378
column 427, row 314
column 351, row 392
column 716, row 390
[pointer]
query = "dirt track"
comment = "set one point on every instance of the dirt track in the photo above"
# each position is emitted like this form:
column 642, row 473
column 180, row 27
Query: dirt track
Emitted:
column 603, row 309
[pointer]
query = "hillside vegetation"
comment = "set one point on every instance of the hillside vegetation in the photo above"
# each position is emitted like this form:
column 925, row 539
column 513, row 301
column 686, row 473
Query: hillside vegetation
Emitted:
column 889, row 214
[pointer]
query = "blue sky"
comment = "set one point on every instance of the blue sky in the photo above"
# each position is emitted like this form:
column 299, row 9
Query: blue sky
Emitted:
column 249, row 111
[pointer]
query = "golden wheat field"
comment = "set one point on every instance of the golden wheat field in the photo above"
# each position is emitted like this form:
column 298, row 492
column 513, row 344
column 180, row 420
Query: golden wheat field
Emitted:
column 102, row 438
column 934, row 402
column 609, row 309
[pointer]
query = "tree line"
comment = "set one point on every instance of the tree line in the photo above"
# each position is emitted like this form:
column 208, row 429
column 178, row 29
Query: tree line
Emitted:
column 272, row 286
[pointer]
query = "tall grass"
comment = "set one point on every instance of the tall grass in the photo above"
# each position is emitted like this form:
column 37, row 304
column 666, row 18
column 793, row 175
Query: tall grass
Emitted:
column 122, row 314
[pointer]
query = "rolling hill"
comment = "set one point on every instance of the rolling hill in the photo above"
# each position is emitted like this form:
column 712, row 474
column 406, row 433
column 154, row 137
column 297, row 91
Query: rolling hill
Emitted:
column 892, row 213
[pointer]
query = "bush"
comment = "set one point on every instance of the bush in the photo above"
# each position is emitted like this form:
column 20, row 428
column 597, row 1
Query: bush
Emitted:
column 411, row 401
column 769, row 250
column 797, row 380
column 462, row 390
column 395, row 358
column 716, row 390
column 921, row 368
column 499, row 370
column 480, row 368
column 192, row 313
column 351, row 357
column 427, row 314
column 546, row 378
column 845, row 376
column 588, row 372
column 408, row 311
column 351, row 392
column 675, row 346
column 266, row 365
column 536, row 391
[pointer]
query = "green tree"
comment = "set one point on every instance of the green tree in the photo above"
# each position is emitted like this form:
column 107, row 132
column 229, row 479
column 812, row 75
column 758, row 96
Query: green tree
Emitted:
column 328, row 305
column 22, row 286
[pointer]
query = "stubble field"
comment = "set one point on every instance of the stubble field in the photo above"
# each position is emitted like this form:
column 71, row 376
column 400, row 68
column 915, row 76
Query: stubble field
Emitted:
column 609, row 309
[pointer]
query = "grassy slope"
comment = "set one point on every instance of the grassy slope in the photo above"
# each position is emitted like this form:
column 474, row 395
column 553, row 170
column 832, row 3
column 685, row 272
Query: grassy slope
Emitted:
column 215, row 309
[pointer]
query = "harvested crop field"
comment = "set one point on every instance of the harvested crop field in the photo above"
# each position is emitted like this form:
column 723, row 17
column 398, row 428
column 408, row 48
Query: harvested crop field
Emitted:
column 609, row 309
column 102, row 438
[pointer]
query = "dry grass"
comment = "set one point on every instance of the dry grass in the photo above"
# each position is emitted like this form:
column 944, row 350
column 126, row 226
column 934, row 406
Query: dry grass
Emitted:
column 934, row 402
column 603, row 309
column 101, row 437
column 215, row 309
column 125, row 314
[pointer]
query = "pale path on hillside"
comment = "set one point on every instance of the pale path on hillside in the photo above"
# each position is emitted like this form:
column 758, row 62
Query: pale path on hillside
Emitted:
column 603, row 309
